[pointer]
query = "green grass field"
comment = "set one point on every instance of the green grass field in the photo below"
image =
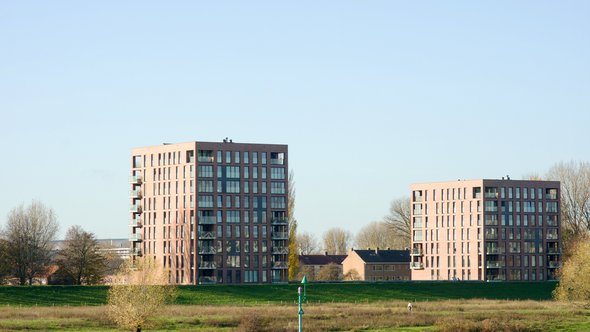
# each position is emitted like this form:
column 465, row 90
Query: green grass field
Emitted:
column 284, row 294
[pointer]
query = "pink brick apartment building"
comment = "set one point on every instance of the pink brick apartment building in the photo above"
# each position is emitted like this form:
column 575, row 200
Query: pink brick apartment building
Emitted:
column 485, row 230
column 212, row 212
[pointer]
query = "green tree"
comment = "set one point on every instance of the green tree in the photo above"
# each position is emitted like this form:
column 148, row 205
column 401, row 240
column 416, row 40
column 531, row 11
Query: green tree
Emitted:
column 80, row 260
column 574, row 276
column 28, row 233
column 4, row 262
column 139, row 291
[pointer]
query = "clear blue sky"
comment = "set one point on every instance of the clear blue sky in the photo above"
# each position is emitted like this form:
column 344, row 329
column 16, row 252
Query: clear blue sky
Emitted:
column 370, row 96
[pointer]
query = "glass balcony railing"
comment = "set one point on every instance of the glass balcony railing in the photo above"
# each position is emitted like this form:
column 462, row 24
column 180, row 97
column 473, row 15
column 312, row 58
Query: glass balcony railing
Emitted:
column 207, row 280
column 416, row 252
column 280, row 235
column 206, row 235
column 207, row 220
column 136, row 208
column 207, row 265
column 280, row 220
column 494, row 264
column 280, row 251
column 136, row 222
column 416, row 265
column 280, row 265
column 207, row 251
column 135, row 179
column 136, row 237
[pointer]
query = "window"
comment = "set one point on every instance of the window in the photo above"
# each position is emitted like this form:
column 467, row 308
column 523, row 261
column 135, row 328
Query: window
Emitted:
column 205, row 201
column 227, row 157
column 205, row 186
column 232, row 187
column 232, row 172
column 278, row 202
column 551, row 207
column 237, row 157
column 263, row 157
column 277, row 187
column 254, row 158
column 205, row 171
column 246, row 157
column 233, row 217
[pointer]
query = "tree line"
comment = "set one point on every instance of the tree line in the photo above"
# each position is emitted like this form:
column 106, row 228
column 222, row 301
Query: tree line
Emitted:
column 27, row 253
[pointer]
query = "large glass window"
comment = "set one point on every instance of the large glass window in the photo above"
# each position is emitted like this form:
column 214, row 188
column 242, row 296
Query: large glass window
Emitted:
column 232, row 187
column 232, row 172
column 205, row 201
column 205, row 171
column 277, row 173
column 277, row 187
column 205, row 186
column 278, row 202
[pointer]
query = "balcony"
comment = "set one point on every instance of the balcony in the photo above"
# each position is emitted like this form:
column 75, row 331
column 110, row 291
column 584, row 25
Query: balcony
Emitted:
column 207, row 220
column 280, row 265
column 136, row 252
column 207, row 251
column 135, row 193
column 553, row 251
column 280, row 235
column 416, row 252
column 206, row 235
column 136, row 208
column 280, row 251
column 553, row 265
column 135, row 179
column 495, row 251
column 135, row 237
column 280, row 221
column 136, row 222
column 494, row 264
column 207, row 280
column 207, row 265
column 416, row 265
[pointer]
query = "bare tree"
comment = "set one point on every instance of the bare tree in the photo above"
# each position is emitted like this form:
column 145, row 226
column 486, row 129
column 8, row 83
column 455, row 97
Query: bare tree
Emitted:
column 80, row 260
column 138, row 292
column 337, row 241
column 293, row 254
column 575, row 199
column 378, row 235
column 307, row 244
column 399, row 219
column 330, row 272
column 29, row 232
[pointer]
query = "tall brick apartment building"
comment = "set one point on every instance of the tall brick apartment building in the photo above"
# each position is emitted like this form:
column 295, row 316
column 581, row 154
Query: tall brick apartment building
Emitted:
column 212, row 212
column 485, row 230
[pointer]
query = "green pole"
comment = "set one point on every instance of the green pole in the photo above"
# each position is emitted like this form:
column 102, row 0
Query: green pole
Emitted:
column 300, row 309
column 301, row 296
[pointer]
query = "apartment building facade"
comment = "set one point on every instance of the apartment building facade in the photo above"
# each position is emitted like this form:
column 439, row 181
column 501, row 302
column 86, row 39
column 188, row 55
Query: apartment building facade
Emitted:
column 212, row 212
column 485, row 230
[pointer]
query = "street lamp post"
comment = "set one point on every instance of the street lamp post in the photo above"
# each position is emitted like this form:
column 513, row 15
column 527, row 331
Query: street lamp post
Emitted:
column 301, row 298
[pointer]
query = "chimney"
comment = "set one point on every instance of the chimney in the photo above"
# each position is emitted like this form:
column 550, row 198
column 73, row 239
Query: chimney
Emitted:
column 376, row 250
column 325, row 253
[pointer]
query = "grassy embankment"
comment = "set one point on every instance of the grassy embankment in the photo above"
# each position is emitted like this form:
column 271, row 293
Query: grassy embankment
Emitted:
column 283, row 294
